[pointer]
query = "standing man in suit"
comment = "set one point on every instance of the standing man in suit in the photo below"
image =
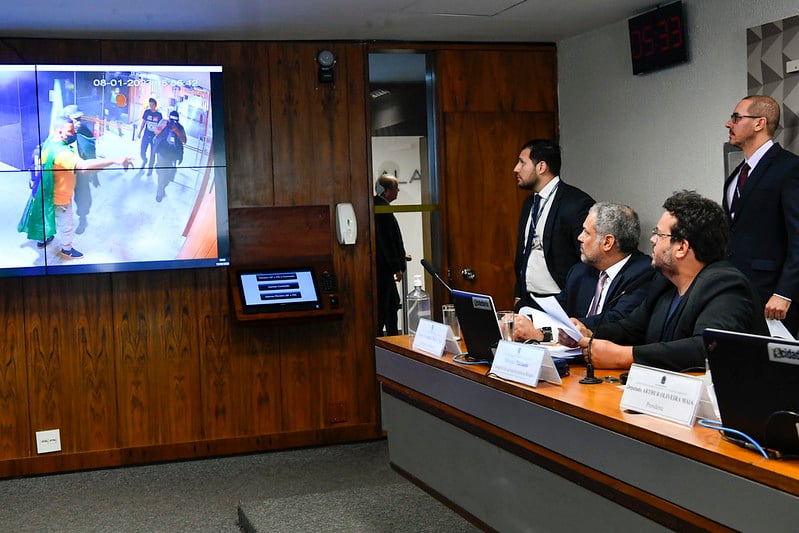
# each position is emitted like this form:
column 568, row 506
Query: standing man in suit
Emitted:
column 550, row 221
column 698, row 289
column 391, row 257
column 761, row 200
column 608, row 250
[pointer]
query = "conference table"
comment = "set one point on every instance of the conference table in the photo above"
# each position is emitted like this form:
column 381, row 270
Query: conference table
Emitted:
column 511, row 457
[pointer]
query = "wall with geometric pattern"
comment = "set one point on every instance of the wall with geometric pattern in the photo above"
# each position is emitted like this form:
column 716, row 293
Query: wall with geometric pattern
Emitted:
column 768, row 48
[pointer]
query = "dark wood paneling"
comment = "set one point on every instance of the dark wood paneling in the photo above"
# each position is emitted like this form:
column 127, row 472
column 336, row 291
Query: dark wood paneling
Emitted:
column 276, row 236
column 498, row 80
column 492, row 101
column 486, row 146
column 71, row 382
column 247, row 117
column 158, row 369
column 310, row 125
column 15, row 433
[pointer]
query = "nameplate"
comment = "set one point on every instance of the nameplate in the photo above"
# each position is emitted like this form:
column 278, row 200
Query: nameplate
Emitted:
column 432, row 337
column 661, row 393
column 524, row 363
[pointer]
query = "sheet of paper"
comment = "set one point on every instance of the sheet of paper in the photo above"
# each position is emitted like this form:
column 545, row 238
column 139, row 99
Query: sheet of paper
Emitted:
column 541, row 319
column 555, row 312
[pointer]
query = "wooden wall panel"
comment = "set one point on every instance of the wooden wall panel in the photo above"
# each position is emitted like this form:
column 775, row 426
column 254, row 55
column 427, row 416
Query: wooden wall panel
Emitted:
column 492, row 101
column 220, row 393
column 248, row 118
column 158, row 372
column 178, row 332
column 255, row 362
column 70, row 348
column 16, row 436
column 310, row 126
column 486, row 145
column 507, row 79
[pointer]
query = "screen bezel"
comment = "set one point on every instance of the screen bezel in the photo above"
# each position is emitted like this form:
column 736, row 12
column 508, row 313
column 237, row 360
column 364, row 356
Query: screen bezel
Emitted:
column 48, row 104
column 249, row 306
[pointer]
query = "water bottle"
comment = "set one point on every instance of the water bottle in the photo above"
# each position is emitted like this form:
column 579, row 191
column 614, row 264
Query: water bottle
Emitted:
column 418, row 305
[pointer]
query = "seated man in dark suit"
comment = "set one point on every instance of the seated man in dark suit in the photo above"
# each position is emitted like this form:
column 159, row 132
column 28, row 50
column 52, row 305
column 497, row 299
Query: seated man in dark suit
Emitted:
column 698, row 289
column 608, row 250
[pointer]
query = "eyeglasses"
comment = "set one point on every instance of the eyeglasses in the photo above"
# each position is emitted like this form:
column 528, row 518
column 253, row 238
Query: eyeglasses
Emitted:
column 658, row 234
column 735, row 117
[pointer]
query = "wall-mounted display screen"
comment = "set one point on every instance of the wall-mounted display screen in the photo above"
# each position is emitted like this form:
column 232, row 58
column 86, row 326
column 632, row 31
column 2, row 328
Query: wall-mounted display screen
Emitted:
column 265, row 291
column 68, row 203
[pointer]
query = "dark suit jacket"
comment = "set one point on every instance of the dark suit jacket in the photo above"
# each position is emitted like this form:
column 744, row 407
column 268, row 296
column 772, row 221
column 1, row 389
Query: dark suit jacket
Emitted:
column 565, row 222
column 619, row 302
column 720, row 297
column 764, row 237
column 388, row 242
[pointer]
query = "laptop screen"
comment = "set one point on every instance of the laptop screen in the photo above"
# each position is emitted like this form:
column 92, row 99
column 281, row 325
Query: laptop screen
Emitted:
column 478, row 319
column 756, row 380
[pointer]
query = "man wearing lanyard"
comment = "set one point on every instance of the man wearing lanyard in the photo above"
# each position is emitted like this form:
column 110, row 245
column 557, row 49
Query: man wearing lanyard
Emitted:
column 549, row 224
column 761, row 200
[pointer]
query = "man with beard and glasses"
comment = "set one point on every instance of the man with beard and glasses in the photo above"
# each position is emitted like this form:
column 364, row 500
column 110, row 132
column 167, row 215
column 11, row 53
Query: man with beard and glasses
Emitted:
column 697, row 289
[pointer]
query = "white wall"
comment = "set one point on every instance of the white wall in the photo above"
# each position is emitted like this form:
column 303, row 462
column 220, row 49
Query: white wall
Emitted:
column 637, row 139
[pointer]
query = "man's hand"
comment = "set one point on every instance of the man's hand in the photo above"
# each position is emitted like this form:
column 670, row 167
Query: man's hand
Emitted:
column 777, row 307
column 581, row 328
column 398, row 276
column 606, row 354
column 126, row 162
column 524, row 329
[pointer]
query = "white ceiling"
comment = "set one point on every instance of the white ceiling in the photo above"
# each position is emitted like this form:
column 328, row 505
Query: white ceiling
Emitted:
column 324, row 20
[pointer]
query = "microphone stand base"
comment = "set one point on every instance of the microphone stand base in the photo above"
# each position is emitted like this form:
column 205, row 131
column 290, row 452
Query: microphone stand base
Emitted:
column 590, row 380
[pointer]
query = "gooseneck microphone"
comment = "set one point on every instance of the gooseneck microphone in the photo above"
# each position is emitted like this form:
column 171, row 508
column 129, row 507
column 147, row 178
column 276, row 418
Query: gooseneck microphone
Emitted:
column 432, row 271
column 590, row 378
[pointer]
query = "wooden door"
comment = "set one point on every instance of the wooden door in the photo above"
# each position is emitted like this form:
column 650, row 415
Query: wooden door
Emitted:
column 485, row 119
column 481, row 200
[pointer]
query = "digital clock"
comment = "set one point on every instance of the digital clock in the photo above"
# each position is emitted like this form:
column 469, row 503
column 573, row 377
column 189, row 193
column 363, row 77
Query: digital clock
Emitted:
column 657, row 38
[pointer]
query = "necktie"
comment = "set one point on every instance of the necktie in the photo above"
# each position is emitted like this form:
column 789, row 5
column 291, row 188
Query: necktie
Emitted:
column 530, row 236
column 739, row 187
column 600, row 284
column 531, row 231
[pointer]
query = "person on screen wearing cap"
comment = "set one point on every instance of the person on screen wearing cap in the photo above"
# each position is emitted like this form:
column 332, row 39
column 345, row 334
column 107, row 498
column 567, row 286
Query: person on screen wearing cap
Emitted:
column 87, row 149
column 53, row 203
column 168, row 145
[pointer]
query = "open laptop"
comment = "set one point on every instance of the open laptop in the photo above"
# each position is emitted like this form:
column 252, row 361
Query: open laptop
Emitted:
column 756, row 380
column 479, row 326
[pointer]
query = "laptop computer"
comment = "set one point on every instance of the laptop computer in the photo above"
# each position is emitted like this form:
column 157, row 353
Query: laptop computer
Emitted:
column 479, row 326
column 756, row 380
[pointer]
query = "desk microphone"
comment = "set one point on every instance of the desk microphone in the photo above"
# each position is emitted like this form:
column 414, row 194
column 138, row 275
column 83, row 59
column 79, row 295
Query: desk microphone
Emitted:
column 432, row 271
column 590, row 378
